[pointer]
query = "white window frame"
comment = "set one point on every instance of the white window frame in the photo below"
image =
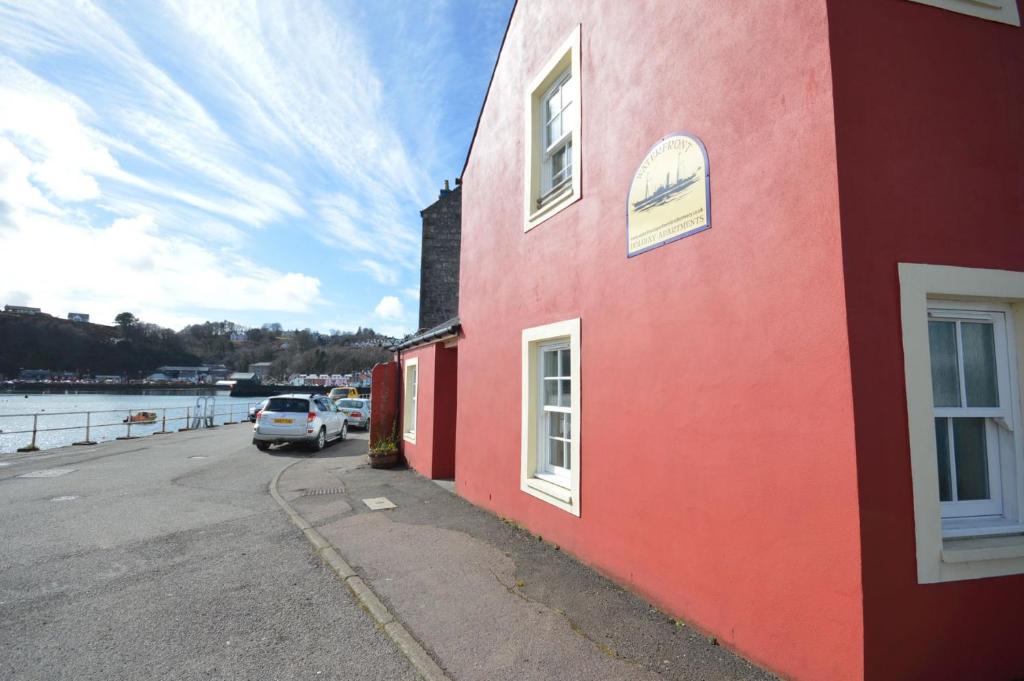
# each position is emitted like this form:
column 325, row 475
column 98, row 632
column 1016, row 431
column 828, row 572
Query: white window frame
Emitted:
column 1002, row 11
column 559, row 488
column 410, row 398
column 952, row 549
column 561, row 69
column 981, row 517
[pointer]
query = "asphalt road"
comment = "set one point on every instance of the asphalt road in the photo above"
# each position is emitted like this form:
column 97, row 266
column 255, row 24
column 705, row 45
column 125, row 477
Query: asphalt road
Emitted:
column 166, row 558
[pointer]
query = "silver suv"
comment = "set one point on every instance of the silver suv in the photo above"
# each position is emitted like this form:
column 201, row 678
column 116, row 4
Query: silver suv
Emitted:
column 309, row 419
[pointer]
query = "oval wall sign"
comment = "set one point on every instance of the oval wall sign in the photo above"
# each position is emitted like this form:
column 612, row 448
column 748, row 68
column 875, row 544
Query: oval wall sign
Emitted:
column 670, row 197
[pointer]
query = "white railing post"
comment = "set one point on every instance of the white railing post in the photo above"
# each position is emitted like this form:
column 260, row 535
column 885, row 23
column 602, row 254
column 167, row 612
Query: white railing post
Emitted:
column 88, row 423
column 32, row 446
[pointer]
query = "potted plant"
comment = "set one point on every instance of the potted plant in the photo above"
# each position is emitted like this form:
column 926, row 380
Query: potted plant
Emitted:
column 383, row 451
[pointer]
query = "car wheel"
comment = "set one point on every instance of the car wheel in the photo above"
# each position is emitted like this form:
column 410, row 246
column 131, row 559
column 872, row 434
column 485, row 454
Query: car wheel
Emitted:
column 321, row 440
column 262, row 446
column 344, row 431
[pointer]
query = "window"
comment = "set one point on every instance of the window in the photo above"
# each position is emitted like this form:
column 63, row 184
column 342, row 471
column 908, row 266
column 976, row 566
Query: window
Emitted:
column 551, row 166
column 550, row 460
column 556, row 160
column 970, row 395
column 1003, row 11
column 961, row 359
column 410, row 388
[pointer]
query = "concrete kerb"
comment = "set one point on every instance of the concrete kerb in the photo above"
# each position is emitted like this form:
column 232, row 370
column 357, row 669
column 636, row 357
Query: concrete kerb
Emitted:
column 396, row 631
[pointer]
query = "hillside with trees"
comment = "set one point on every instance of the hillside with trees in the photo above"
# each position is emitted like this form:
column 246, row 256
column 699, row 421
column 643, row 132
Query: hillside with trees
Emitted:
column 136, row 348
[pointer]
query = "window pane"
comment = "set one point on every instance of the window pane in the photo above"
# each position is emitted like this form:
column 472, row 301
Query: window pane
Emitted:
column 971, row 459
column 945, row 377
column 942, row 448
column 557, row 424
column 565, row 397
column 563, row 363
column 557, row 165
column 556, row 456
column 553, row 130
column 550, row 363
column 980, row 364
column 551, row 392
column 554, row 105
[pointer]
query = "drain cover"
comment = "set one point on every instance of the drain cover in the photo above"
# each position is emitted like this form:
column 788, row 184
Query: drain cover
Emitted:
column 379, row 503
column 316, row 492
column 47, row 473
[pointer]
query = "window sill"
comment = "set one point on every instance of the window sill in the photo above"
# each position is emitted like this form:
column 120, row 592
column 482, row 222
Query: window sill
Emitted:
column 982, row 548
column 409, row 437
column 555, row 491
column 963, row 528
column 554, row 205
column 555, row 195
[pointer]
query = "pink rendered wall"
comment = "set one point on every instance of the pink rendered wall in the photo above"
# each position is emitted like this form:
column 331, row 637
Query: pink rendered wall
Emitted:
column 718, row 473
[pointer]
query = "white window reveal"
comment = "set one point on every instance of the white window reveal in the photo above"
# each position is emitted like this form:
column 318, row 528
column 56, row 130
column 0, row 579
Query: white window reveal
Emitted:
column 962, row 343
column 553, row 140
column 410, row 389
column 1003, row 11
column 550, row 464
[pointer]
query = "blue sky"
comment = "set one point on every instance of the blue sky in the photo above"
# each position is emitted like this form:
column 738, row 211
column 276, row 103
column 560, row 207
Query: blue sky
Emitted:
column 258, row 161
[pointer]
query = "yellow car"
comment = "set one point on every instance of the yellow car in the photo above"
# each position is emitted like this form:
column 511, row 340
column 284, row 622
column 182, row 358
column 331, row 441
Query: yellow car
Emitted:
column 343, row 391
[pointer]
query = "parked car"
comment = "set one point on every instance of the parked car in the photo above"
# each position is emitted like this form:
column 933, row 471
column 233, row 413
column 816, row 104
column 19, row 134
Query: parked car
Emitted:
column 256, row 409
column 356, row 411
column 343, row 391
column 312, row 420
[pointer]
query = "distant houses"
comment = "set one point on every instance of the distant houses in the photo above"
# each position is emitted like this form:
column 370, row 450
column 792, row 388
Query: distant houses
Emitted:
column 190, row 374
column 20, row 309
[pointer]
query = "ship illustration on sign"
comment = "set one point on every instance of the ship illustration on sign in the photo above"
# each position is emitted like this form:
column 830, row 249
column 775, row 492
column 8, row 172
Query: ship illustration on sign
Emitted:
column 669, row 191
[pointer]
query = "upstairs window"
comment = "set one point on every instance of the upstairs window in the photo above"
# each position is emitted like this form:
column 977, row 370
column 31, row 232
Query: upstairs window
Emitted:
column 1003, row 11
column 551, row 167
column 556, row 164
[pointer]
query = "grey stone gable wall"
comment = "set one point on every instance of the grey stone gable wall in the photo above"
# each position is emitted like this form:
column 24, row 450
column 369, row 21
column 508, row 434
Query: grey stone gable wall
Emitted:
column 439, row 261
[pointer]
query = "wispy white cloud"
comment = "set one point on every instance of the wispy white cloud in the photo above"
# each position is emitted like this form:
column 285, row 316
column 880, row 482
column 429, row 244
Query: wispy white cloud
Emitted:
column 381, row 273
column 165, row 139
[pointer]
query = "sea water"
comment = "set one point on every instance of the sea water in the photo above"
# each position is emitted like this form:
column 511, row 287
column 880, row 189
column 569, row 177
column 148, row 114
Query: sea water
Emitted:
column 106, row 413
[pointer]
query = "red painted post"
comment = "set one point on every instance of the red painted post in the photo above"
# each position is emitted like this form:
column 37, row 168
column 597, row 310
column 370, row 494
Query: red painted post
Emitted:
column 383, row 400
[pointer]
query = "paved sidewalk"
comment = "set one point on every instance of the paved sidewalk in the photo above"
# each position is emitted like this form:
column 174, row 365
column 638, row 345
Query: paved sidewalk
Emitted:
column 487, row 600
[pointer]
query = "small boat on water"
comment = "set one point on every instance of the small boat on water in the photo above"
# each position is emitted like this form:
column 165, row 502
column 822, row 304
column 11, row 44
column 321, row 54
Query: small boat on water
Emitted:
column 141, row 417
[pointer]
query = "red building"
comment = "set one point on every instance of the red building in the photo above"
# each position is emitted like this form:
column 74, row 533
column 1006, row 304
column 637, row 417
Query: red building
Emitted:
column 799, row 428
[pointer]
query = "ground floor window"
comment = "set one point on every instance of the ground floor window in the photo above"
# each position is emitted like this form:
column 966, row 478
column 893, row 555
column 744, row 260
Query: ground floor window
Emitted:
column 551, row 414
column 409, row 390
column 961, row 331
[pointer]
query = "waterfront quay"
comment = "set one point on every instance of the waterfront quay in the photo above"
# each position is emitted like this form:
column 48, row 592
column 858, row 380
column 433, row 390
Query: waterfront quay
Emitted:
column 168, row 558
column 42, row 422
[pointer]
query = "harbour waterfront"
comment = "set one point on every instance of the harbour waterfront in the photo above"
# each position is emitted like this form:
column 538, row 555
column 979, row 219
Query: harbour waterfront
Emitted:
column 106, row 415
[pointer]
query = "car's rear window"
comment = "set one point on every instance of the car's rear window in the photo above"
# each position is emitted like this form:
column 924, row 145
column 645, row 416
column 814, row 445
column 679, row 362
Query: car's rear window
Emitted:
column 350, row 404
column 287, row 404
